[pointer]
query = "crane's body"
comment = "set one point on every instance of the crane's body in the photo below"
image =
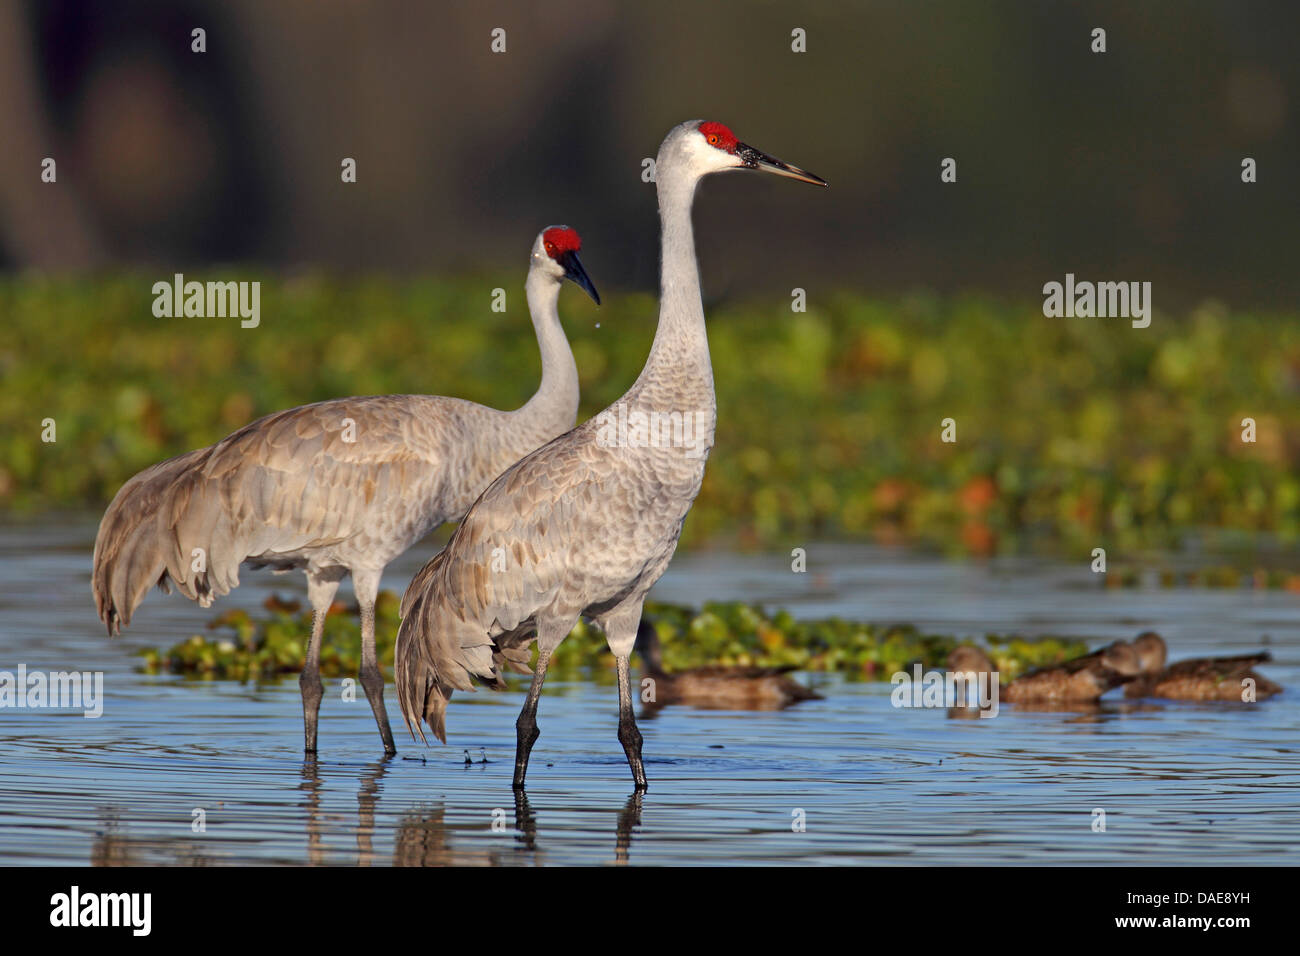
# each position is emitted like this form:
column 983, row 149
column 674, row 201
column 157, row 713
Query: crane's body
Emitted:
column 333, row 488
column 589, row 521
column 295, row 493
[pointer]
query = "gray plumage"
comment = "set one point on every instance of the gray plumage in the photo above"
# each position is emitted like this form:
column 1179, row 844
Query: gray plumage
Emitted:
column 291, row 490
column 585, row 524
column 288, row 492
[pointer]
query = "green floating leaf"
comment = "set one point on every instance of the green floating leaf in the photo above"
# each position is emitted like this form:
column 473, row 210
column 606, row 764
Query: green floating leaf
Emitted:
column 729, row 633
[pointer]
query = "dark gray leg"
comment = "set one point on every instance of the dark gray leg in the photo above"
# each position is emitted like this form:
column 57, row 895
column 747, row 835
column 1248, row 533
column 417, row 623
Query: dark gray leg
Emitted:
column 526, row 726
column 322, row 585
column 629, row 819
column 372, row 678
column 525, row 821
column 309, row 681
column 365, row 582
column 628, row 735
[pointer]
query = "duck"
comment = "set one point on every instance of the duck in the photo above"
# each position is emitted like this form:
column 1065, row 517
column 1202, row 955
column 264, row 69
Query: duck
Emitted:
column 1083, row 679
column 717, row 686
column 1199, row 678
column 969, row 659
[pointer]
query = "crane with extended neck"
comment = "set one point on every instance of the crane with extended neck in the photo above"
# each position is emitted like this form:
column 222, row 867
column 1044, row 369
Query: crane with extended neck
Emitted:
column 588, row 522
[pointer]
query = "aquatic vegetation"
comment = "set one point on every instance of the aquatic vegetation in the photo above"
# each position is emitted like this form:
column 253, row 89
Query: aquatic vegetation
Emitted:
column 263, row 648
column 270, row 647
column 1070, row 433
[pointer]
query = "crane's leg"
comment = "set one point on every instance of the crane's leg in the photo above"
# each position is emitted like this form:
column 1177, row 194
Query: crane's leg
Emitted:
column 320, row 592
column 549, row 636
column 526, row 732
column 628, row 735
column 366, row 585
column 620, row 634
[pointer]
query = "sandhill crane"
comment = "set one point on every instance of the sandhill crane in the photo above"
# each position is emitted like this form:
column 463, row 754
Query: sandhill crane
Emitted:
column 588, row 522
column 334, row 487
column 718, row 685
column 1200, row 678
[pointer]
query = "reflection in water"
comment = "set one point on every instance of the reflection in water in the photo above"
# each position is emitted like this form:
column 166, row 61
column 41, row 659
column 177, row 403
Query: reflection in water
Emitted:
column 968, row 712
column 425, row 837
column 1082, row 711
column 113, row 846
column 629, row 819
column 422, row 838
column 311, row 788
column 525, row 822
column 367, row 797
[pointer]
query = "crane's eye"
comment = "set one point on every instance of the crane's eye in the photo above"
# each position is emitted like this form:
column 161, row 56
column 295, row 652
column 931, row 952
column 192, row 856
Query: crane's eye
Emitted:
column 713, row 139
column 550, row 247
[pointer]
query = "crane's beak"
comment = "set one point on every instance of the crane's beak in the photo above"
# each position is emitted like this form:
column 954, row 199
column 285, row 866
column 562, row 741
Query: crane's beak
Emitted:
column 573, row 270
column 752, row 158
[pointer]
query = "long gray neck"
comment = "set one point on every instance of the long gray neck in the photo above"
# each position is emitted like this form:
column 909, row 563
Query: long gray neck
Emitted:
column 678, row 365
column 554, row 408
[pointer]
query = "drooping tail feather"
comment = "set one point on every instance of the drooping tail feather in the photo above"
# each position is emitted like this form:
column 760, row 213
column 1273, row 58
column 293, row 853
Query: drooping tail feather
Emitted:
column 419, row 693
column 438, row 651
column 139, row 542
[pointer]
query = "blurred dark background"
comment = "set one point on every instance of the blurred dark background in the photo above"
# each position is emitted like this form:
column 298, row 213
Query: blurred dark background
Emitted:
column 1124, row 165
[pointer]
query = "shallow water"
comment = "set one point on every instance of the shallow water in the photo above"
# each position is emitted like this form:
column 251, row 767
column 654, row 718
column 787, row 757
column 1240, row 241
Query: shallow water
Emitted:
column 1179, row 783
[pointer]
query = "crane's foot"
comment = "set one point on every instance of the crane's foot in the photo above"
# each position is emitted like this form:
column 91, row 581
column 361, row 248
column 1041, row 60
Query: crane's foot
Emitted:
column 526, row 735
column 373, row 683
column 630, row 738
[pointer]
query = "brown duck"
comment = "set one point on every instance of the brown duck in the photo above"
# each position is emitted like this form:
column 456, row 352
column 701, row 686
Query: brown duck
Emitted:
column 718, row 686
column 1200, row 678
column 1083, row 679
